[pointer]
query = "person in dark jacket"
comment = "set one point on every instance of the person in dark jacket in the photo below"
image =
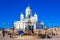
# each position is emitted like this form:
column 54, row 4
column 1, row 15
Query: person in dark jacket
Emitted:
column 32, row 29
column 3, row 32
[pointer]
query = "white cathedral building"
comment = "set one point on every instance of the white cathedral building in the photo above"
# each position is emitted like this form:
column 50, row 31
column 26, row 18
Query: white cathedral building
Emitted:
column 27, row 20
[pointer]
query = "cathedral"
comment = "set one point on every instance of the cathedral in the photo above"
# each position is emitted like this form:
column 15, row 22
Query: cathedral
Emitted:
column 28, row 21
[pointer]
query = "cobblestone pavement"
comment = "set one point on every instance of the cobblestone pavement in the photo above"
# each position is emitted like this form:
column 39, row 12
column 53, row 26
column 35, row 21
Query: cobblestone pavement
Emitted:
column 7, row 37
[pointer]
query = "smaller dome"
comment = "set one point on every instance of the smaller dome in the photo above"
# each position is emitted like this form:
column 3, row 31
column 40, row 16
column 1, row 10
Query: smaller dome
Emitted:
column 35, row 14
column 22, row 14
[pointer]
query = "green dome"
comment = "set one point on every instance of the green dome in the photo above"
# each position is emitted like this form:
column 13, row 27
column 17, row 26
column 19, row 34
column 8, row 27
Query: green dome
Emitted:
column 28, row 8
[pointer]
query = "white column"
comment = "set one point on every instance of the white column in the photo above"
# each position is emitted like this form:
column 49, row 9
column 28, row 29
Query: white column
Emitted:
column 24, row 26
column 17, row 26
column 34, row 25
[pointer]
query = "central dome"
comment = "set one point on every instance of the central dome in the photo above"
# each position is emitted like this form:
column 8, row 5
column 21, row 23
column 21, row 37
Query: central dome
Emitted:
column 28, row 11
column 28, row 8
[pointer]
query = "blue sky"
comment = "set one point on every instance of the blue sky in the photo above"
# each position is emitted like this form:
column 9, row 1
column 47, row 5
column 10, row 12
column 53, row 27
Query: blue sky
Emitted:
column 47, row 10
